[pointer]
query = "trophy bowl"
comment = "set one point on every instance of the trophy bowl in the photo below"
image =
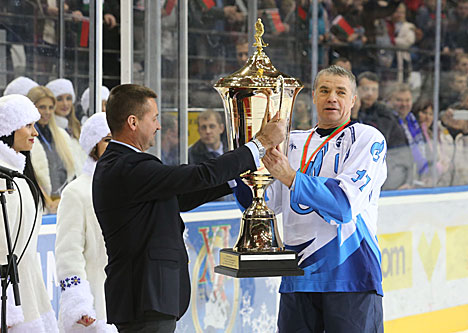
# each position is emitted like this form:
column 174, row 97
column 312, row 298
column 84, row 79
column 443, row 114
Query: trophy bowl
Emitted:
column 252, row 96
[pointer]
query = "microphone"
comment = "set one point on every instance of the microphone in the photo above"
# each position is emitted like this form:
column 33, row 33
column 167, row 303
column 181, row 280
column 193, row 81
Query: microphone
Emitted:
column 10, row 173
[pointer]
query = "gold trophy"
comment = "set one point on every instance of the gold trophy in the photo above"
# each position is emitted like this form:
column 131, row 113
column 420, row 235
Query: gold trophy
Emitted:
column 252, row 96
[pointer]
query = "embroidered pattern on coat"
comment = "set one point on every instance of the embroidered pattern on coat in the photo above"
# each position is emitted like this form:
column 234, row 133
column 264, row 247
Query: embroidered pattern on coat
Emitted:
column 69, row 282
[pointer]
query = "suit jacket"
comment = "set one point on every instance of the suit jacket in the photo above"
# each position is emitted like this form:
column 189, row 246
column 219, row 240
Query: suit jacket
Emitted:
column 137, row 201
column 198, row 152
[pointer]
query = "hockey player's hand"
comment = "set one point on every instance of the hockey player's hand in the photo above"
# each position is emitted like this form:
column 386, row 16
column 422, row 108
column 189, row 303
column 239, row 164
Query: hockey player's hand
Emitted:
column 278, row 166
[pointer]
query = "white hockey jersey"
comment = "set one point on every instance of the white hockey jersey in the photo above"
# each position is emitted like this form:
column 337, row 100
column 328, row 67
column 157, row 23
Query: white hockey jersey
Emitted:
column 330, row 212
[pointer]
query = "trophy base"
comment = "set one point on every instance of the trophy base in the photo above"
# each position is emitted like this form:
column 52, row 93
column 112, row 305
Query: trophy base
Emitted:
column 258, row 264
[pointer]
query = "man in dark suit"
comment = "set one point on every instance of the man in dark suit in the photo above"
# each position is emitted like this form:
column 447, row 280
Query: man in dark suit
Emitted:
column 138, row 200
column 210, row 144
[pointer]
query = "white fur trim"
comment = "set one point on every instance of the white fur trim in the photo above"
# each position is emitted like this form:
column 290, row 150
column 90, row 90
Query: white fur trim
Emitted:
column 89, row 166
column 10, row 156
column 101, row 326
column 61, row 87
column 85, row 97
column 75, row 302
column 61, row 122
column 46, row 323
column 94, row 129
column 41, row 166
column 21, row 85
column 16, row 111
column 14, row 313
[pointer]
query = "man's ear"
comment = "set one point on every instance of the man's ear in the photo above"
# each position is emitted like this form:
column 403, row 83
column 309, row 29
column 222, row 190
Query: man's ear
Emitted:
column 313, row 96
column 132, row 122
column 222, row 127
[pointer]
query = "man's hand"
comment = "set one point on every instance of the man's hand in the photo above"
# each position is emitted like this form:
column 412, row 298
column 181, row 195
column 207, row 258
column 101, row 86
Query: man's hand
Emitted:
column 278, row 166
column 272, row 133
column 86, row 321
column 110, row 20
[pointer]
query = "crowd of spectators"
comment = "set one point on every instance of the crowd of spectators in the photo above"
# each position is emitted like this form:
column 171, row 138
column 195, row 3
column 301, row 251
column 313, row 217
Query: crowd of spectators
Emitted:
column 388, row 45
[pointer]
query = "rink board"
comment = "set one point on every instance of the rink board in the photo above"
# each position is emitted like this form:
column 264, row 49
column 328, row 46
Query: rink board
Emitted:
column 423, row 237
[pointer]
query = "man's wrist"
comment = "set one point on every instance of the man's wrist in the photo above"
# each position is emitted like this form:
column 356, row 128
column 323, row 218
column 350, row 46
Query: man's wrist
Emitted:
column 261, row 148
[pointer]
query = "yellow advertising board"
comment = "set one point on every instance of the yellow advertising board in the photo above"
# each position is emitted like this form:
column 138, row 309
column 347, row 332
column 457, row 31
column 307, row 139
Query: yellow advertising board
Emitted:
column 397, row 260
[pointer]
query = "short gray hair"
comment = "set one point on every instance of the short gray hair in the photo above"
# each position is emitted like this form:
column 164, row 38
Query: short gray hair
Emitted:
column 338, row 71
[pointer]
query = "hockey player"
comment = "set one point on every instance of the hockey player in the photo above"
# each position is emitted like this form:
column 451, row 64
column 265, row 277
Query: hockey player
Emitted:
column 327, row 190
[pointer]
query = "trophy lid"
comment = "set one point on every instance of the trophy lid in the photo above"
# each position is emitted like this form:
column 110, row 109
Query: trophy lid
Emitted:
column 258, row 72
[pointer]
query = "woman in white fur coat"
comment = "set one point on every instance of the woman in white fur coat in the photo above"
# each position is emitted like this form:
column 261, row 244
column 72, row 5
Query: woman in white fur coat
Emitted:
column 79, row 249
column 65, row 117
column 51, row 155
column 17, row 134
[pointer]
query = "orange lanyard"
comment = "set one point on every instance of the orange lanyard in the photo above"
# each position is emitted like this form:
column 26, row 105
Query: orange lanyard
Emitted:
column 337, row 130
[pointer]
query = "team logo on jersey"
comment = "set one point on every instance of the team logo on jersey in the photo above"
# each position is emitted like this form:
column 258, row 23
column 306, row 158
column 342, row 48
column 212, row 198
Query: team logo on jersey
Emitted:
column 292, row 146
column 339, row 140
column 313, row 170
column 376, row 149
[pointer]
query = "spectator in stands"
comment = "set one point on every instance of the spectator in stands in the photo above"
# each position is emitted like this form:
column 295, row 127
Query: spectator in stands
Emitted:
column 169, row 139
column 401, row 100
column 458, row 27
column 19, row 35
column 302, row 113
column 79, row 249
column 21, row 85
column 17, row 134
column 378, row 114
column 65, row 116
column 395, row 31
column 51, row 156
column 454, row 142
column 426, row 27
column 210, row 144
column 242, row 51
column 453, row 85
column 374, row 113
column 424, row 112
column 461, row 64
column 361, row 17
column 216, row 17
column 343, row 62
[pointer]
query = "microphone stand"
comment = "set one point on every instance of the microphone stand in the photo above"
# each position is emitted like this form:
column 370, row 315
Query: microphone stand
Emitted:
column 10, row 270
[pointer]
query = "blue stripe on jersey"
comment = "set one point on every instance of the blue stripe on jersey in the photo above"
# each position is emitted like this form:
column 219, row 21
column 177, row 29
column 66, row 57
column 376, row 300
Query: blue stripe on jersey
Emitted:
column 352, row 266
column 323, row 195
column 353, row 134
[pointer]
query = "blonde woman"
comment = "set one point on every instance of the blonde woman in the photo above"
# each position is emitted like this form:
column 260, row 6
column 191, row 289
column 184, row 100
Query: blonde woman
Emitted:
column 17, row 136
column 65, row 116
column 51, row 155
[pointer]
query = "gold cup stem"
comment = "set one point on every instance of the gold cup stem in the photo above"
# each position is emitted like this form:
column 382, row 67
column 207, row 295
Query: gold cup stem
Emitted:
column 258, row 230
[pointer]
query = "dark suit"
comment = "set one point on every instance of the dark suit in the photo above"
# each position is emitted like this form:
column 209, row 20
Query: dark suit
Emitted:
column 199, row 153
column 138, row 200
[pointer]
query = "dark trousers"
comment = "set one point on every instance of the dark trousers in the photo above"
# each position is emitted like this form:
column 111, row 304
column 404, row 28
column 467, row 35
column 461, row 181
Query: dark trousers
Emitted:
column 151, row 322
column 333, row 312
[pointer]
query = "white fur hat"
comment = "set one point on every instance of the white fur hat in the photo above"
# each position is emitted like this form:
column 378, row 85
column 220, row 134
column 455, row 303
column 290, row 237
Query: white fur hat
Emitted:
column 85, row 97
column 60, row 87
column 21, row 85
column 93, row 130
column 16, row 111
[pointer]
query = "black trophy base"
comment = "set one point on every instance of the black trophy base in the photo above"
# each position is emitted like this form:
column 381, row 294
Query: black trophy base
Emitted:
column 258, row 264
